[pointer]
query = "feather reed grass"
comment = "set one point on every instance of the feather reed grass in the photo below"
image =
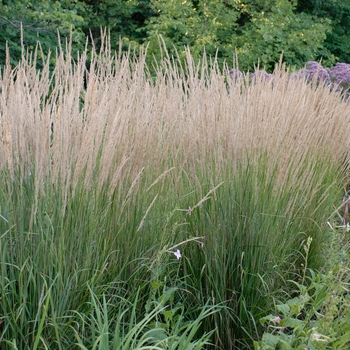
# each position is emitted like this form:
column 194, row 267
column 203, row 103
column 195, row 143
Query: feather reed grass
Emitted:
column 104, row 167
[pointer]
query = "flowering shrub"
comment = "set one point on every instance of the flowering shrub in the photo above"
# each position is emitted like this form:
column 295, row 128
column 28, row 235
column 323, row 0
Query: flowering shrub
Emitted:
column 235, row 74
column 313, row 70
column 340, row 74
column 262, row 75
column 337, row 77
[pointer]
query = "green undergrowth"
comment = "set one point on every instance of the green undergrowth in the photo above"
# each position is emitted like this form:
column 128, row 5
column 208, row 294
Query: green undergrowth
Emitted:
column 315, row 313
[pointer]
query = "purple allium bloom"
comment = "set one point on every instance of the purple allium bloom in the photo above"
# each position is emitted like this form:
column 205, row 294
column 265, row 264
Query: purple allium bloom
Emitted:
column 340, row 74
column 177, row 254
column 335, row 87
column 262, row 75
column 235, row 74
column 295, row 76
column 315, row 70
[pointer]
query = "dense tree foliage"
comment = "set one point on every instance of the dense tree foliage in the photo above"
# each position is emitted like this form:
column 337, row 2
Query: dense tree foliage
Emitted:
column 255, row 31
column 338, row 11
column 124, row 18
column 271, row 28
column 40, row 21
column 196, row 24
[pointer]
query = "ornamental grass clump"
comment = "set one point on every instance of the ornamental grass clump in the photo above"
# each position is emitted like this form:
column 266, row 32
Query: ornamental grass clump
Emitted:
column 103, row 168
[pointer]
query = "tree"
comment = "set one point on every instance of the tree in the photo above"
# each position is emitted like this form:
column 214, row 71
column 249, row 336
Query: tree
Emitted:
column 338, row 12
column 40, row 21
column 258, row 31
column 200, row 25
column 270, row 28
column 124, row 18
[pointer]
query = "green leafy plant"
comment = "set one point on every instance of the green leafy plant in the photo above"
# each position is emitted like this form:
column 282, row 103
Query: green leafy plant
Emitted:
column 316, row 318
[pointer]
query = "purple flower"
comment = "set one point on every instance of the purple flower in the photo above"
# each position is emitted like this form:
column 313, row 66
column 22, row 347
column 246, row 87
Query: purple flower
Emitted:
column 262, row 75
column 277, row 319
column 235, row 74
column 177, row 254
column 295, row 76
column 340, row 74
column 335, row 87
column 315, row 70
